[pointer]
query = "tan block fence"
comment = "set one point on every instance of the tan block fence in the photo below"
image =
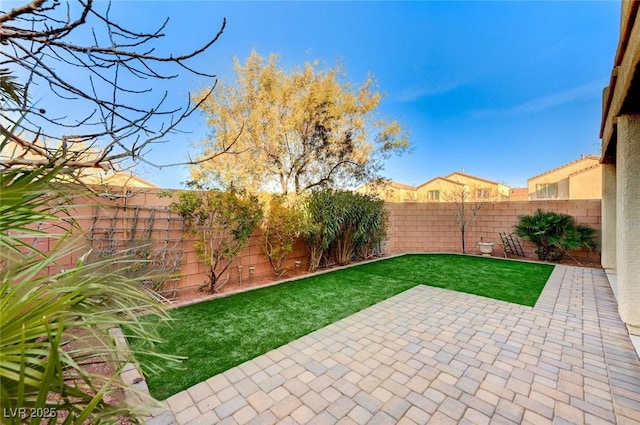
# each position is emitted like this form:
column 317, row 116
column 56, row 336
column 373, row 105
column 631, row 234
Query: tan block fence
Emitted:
column 430, row 226
column 123, row 221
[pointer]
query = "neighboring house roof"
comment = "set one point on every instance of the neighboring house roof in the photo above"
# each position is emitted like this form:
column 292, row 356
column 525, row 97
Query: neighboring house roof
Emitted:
column 117, row 179
column 91, row 176
column 584, row 170
column 389, row 183
column 399, row 185
column 470, row 177
column 583, row 158
column 440, row 178
column 447, row 179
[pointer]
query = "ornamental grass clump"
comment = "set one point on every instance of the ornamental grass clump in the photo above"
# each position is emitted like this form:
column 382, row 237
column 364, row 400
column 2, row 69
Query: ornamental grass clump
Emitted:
column 345, row 225
column 554, row 234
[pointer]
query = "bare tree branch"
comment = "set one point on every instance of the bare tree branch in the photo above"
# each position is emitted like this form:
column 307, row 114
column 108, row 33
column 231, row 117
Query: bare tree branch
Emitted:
column 108, row 84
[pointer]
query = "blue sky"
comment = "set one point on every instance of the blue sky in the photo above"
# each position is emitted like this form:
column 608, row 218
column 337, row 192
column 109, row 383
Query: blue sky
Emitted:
column 506, row 90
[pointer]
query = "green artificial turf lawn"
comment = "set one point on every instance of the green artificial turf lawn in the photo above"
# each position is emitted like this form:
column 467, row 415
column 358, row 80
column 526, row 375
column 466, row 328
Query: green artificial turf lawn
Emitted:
column 220, row 334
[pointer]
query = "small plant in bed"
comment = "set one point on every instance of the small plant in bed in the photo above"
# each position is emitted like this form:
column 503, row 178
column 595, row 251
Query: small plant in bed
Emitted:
column 220, row 334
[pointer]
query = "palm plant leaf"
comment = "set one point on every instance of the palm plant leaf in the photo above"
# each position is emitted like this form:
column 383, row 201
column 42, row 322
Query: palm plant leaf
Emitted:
column 554, row 233
column 10, row 89
column 56, row 316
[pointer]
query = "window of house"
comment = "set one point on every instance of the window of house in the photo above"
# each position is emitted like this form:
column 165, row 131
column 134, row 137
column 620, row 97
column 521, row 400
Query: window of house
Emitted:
column 547, row 190
column 433, row 195
column 483, row 193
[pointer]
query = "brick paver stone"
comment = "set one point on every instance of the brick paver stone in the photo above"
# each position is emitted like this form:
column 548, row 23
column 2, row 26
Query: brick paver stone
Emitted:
column 433, row 356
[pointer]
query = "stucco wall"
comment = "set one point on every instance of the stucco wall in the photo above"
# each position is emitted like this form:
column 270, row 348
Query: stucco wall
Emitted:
column 586, row 184
column 478, row 183
column 391, row 192
column 608, row 233
column 441, row 185
column 627, row 219
column 561, row 175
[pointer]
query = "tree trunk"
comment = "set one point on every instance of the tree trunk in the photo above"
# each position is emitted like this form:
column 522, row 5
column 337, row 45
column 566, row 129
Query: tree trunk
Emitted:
column 464, row 249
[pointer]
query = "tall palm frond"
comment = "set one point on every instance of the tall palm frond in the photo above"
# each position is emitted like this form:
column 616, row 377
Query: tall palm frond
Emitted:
column 56, row 317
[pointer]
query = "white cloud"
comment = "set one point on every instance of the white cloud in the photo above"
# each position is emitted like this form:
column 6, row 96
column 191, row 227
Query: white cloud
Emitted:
column 575, row 94
column 429, row 87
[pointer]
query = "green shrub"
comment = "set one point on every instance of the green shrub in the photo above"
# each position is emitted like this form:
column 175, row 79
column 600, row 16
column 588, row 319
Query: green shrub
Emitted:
column 344, row 225
column 554, row 234
column 322, row 228
column 221, row 223
column 282, row 225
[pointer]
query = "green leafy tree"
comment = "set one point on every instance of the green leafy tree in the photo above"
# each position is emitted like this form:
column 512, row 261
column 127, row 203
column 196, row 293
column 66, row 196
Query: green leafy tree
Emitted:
column 295, row 130
column 283, row 224
column 221, row 223
column 554, row 234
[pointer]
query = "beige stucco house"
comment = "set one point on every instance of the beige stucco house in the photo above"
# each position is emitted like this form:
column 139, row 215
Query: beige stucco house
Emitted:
column 518, row 194
column 436, row 189
column 580, row 179
column 118, row 178
column 620, row 134
column 89, row 176
column 390, row 191
column 440, row 189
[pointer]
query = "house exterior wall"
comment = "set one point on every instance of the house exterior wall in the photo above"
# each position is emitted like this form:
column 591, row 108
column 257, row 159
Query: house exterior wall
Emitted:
column 391, row 192
column 562, row 177
column 399, row 192
column 518, row 194
column 443, row 186
column 620, row 134
column 608, row 238
column 586, row 184
column 498, row 189
column 628, row 219
column 448, row 188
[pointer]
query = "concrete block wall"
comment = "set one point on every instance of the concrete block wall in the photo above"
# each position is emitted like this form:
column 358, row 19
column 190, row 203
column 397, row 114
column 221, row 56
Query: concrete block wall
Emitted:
column 413, row 227
column 430, row 226
column 192, row 271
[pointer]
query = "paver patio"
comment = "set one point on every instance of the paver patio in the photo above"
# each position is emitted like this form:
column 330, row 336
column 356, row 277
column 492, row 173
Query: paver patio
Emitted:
column 434, row 356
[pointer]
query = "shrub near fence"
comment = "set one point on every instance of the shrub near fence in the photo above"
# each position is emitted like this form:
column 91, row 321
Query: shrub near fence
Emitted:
column 413, row 227
column 250, row 266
